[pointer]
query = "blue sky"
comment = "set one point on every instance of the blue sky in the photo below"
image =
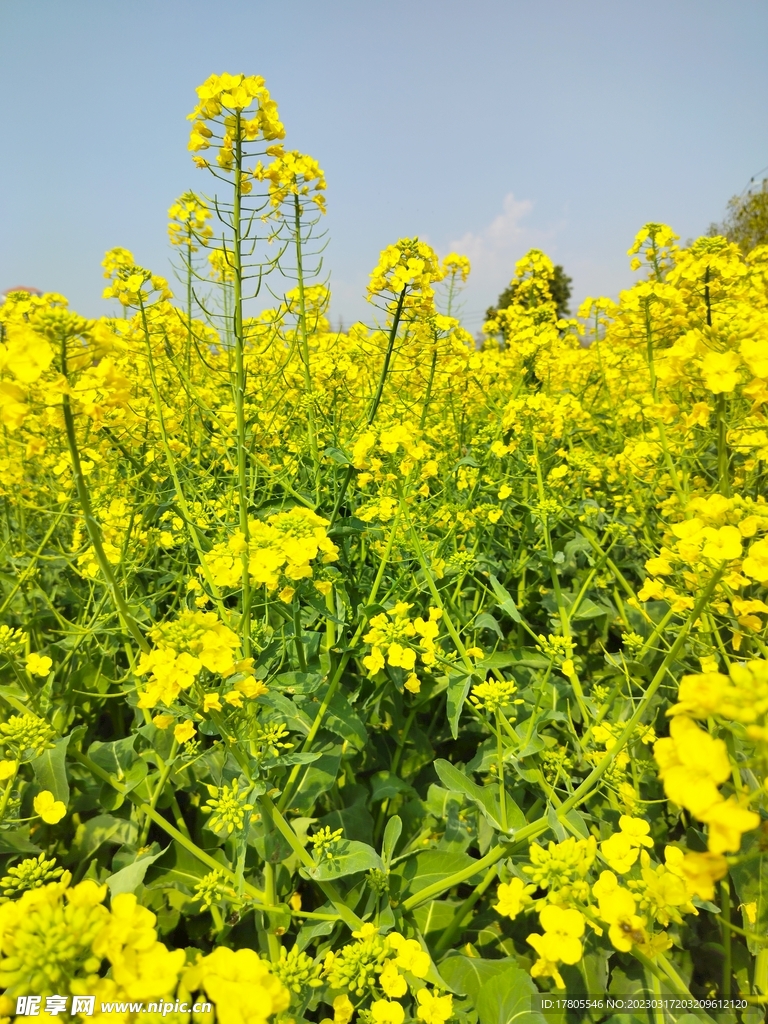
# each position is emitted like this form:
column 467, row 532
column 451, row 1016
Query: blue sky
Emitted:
column 488, row 127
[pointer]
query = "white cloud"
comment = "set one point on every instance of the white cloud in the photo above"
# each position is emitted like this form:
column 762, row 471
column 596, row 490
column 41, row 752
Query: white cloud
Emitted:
column 493, row 252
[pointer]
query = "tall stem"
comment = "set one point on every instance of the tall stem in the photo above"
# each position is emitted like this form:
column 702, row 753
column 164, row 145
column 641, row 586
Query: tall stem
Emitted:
column 500, row 758
column 377, row 397
column 240, row 383
column 305, row 348
column 91, row 525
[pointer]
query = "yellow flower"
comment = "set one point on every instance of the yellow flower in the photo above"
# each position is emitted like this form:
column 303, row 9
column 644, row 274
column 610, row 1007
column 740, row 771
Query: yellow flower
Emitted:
column 211, row 702
column 561, row 940
column 7, row 769
column 251, row 688
column 727, row 820
column 691, row 765
column 619, row 852
column 721, row 545
column 720, row 371
column 617, row 909
column 512, row 897
column 391, row 981
column 343, row 1010
column 38, row 665
column 701, row 871
column 384, row 1012
column 240, row 984
column 49, row 809
column 412, row 684
column 755, row 565
column 162, row 721
column 183, row 732
column 433, row 1009
column 410, row 956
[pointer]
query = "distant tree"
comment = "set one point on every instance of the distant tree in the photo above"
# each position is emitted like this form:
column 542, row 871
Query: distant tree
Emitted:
column 746, row 222
column 559, row 287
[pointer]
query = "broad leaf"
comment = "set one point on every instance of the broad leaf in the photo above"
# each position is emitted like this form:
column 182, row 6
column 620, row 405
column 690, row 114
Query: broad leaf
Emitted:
column 467, row 975
column 391, row 836
column 508, row 997
column 485, row 797
column 458, row 688
column 506, row 603
column 130, row 878
column 50, row 770
column 352, row 858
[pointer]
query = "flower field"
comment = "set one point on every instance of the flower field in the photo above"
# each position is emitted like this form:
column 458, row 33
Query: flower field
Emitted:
column 381, row 676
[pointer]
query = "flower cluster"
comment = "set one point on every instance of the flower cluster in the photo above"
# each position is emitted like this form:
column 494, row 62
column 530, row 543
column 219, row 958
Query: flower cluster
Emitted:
column 397, row 640
column 56, row 937
column 635, row 898
column 183, row 648
column 225, row 101
column 277, row 553
column 385, row 968
column 404, row 275
column 292, row 174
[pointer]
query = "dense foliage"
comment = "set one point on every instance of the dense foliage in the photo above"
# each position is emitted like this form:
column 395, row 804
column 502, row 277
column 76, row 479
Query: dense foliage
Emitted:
column 376, row 676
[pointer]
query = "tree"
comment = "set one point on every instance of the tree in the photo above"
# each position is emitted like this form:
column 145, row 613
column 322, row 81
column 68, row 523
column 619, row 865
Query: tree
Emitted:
column 746, row 222
column 559, row 287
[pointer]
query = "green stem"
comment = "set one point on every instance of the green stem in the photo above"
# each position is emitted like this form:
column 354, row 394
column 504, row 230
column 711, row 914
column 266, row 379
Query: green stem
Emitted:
column 240, row 382
column 289, row 789
column 723, row 474
column 725, row 892
column 500, row 758
column 452, row 631
column 458, row 919
column 347, row 915
column 535, row 828
column 270, row 892
column 7, row 792
column 304, row 349
column 91, row 525
column 164, row 776
column 428, row 394
column 377, row 397
column 173, row 469
column 174, row 833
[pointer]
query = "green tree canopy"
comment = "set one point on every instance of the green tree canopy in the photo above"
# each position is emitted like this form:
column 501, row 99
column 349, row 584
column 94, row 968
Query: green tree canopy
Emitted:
column 559, row 287
column 746, row 222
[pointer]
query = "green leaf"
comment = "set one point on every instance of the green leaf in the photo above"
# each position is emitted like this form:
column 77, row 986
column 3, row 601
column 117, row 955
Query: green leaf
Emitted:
column 343, row 720
column 389, row 842
column 435, row 916
column 338, row 456
column 352, row 858
column 104, row 828
column 458, row 688
column 318, row 779
column 183, row 870
column 50, row 770
column 468, row 975
column 751, row 881
column 587, row 609
column 486, row 621
column 283, row 760
column 386, row 786
column 485, row 797
column 505, row 600
column 115, row 757
column 433, row 866
column 507, row 997
column 129, row 878
column 17, row 841
column 525, row 657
